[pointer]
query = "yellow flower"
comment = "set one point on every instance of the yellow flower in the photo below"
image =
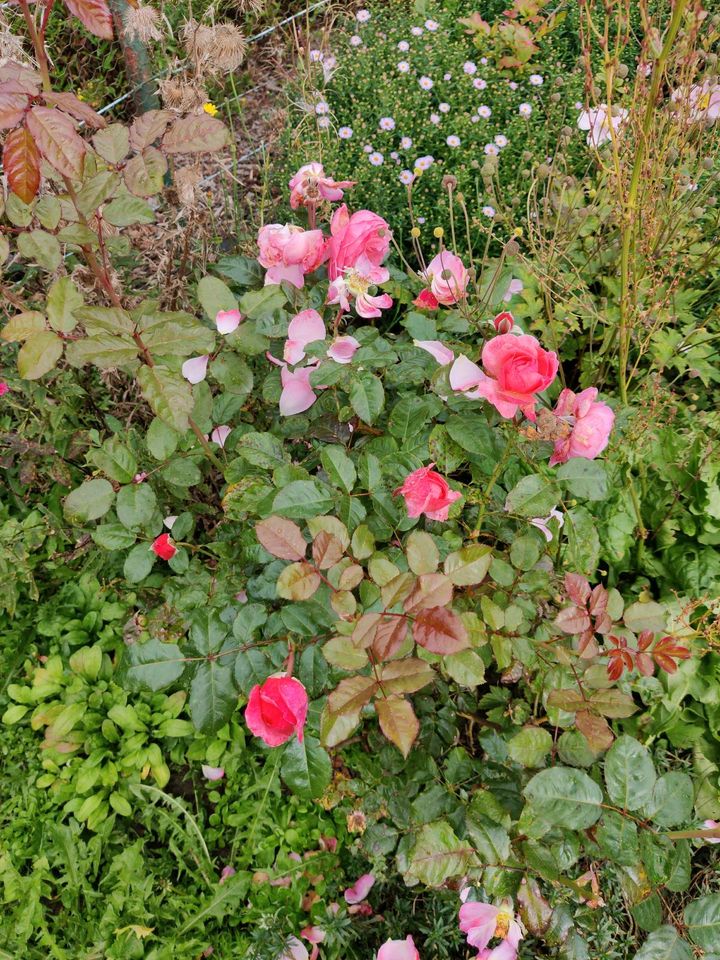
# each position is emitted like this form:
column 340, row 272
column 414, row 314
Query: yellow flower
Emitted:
column 518, row 232
column 438, row 232
column 211, row 109
column 418, row 172
column 415, row 232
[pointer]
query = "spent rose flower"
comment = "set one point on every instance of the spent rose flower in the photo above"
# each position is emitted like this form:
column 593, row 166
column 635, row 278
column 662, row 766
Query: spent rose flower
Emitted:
column 360, row 889
column 364, row 234
column 288, row 252
column 517, row 368
column 356, row 283
column 342, row 349
column 163, row 547
column 600, row 122
column 304, row 328
column 591, row 423
column 398, row 950
column 447, row 277
column 311, row 185
column 227, row 321
column 426, row 491
column 277, row 709
column 483, row 922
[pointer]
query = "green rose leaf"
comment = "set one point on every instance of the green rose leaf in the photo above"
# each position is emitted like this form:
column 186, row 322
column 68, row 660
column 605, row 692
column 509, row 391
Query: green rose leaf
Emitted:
column 39, row 354
column 702, row 917
column 90, row 501
column 566, row 797
column 367, row 397
column 306, row 767
column 154, row 664
column 212, row 695
column 533, row 496
column 629, row 774
column 584, row 478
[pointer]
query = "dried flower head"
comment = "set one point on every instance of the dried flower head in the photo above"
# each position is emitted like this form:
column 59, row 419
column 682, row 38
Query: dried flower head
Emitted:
column 181, row 95
column 248, row 6
column 186, row 182
column 227, row 50
column 142, row 23
column 197, row 40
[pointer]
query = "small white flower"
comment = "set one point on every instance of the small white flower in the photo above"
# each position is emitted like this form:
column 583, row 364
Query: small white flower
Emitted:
column 469, row 67
column 362, row 16
column 323, row 122
column 403, row 66
column 501, row 140
column 405, row 143
column 491, row 150
column 484, row 112
column 536, row 80
column 407, row 177
column 386, row 123
column 479, row 83
column 355, row 40
column 417, row 31
column 444, row 108
column 403, row 46
column 426, row 83
column 512, row 85
column 345, row 133
column 316, row 56
column 435, row 118
column 431, row 25
column 489, row 211
column 322, row 108
column 453, row 141
column 367, row 148
column 475, row 119
column 447, row 76
column 525, row 109
column 376, row 159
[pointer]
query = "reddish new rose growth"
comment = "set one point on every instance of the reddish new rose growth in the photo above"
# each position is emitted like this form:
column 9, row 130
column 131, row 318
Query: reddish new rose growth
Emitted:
column 426, row 491
column 163, row 547
column 276, row 710
column 665, row 654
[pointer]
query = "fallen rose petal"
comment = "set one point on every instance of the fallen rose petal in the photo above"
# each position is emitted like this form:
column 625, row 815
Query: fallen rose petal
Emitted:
column 220, row 435
column 438, row 350
column 195, row 368
column 227, row 321
column 212, row 773
column 360, row 889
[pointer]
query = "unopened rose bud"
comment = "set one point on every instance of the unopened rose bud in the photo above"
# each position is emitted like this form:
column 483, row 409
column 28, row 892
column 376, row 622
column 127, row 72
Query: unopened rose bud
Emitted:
column 504, row 322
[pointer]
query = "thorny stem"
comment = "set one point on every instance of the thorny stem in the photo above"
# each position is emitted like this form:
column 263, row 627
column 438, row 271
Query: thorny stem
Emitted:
column 38, row 42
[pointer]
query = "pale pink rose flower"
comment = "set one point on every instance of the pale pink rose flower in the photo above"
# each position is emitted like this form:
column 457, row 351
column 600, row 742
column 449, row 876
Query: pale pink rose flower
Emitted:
column 195, row 369
column 591, row 423
column 447, row 277
column 711, row 825
column 342, row 350
column 212, row 773
column 288, row 252
column 426, row 491
column 482, row 922
column 360, row 889
column 364, row 234
column 227, row 321
column 702, row 101
column 304, row 328
column 436, row 349
column 220, row 434
column 518, row 369
column 356, row 282
column 310, row 185
column 295, row 950
column 600, row 122
column 398, row 950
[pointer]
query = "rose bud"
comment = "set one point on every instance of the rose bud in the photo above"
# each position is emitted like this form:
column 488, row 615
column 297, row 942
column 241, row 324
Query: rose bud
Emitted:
column 163, row 547
column 504, row 322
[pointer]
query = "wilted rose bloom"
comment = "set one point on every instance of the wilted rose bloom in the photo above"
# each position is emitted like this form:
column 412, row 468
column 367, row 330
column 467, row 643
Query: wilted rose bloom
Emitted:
column 448, row 278
column 426, row 491
column 398, row 950
column 227, row 321
column 518, row 369
column 483, row 922
column 364, row 234
column 304, row 328
column 591, row 423
column 277, row 709
column 436, row 349
column 702, row 101
column 342, row 349
column 310, row 185
column 288, row 252
column 163, row 547
column 360, row 889
column 600, row 122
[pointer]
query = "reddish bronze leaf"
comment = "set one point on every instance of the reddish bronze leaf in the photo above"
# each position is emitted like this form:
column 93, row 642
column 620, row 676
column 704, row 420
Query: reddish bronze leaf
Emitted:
column 389, row 637
column 12, row 109
column 596, row 730
column 148, row 128
column 365, row 629
column 572, row 620
column 94, row 15
column 19, row 78
column 76, row 108
column 55, row 136
column 398, row 722
column 431, row 590
column 21, row 160
column 282, row 538
column 327, row 550
column 535, row 911
column 440, row 630
column 577, row 588
column 406, row 676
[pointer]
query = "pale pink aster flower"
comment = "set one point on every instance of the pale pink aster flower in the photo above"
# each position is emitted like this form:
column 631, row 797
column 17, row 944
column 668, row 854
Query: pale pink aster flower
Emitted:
column 376, row 159
column 447, row 76
column 525, row 109
column 444, row 108
column 469, row 68
column 431, row 25
column 512, row 85
column 362, row 16
column 488, row 211
column 405, row 143
column 484, row 111
column 367, row 148
column 386, row 123
column 355, row 40
column 501, row 140
column 424, row 163
column 417, row 31
column 345, row 133
column 315, row 56
column 426, row 83
column 394, row 155
column 435, row 118
column 491, row 149
column 479, row 83
column 323, row 122
column 403, row 46
column 474, row 118
column 536, row 80
column 403, row 66
column 483, row 61
column 406, row 177
column 453, row 141
column 322, row 107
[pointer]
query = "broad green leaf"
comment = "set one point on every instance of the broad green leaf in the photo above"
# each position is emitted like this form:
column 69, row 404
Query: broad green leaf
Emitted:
column 438, row 854
column 63, row 299
column 39, row 354
column 212, row 695
column 168, row 394
column 112, row 143
column 665, row 943
column 298, row 581
column 126, row 211
column 214, row 295
column 339, row 467
column 367, row 397
column 113, row 536
column 90, row 501
column 306, row 767
column 439, row 630
column 465, row 667
column 251, row 667
column 422, row 554
column 104, row 350
column 144, row 174
column 671, row 804
column 312, row 670
column 136, row 505
column 629, row 774
column 702, row 917
column 533, row 496
column 154, row 664
column 262, row 303
column 303, row 498
column 40, row 247
column 115, row 459
column 566, row 797
column 584, row 478
column 468, row 566
column 177, row 335
column 96, row 191
column 261, row 450
column 22, row 326
column 530, row 747
column 535, row 911
column 161, row 440
column 138, row 563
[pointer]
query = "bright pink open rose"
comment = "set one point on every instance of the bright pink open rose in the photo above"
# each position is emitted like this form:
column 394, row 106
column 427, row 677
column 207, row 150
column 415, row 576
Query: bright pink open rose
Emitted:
column 364, row 234
column 483, row 922
column 518, row 369
column 591, row 424
column 426, row 491
column 447, row 277
column 277, row 709
column 310, row 185
column 288, row 252
column 398, row 950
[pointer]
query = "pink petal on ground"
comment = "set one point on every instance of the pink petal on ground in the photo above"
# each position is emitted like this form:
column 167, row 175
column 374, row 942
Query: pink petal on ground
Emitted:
column 360, row 889
column 213, row 773
column 220, row 435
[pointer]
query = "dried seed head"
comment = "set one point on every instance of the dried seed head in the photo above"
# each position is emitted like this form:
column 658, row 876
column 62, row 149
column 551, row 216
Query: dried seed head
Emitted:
column 555, row 98
column 449, row 182
column 622, row 70
column 197, row 40
column 526, row 155
column 543, row 171
column 227, row 50
column 142, row 23
column 186, row 182
column 182, row 96
column 512, row 248
column 248, row 6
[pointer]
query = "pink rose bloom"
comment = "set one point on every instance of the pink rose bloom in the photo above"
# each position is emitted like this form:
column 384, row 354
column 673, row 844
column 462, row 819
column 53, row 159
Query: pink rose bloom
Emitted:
column 482, row 922
column 364, row 234
column 277, row 709
column 304, row 328
column 436, row 349
column 591, row 424
column 360, row 889
column 398, row 950
column 702, row 100
column 310, row 185
column 356, row 282
column 4, row 388
column 447, row 277
column 288, row 252
column 518, row 369
column 227, row 321
column 426, row 491
column 711, row 825
column 342, row 349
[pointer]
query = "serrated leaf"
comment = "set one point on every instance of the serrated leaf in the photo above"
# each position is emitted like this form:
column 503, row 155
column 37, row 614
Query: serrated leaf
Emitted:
column 55, row 136
column 96, row 190
column 148, row 127
column 138, row 563
column 438, row 854
column 112, row 143
column 398, row 722
column 12, row 109
column 127, row 211
column 530, row 747
column 21, row 163
column 22, row 326
column 154, row 664
column 406, row 676
column 367, row 397
column 351, row 694
column 168, row 394
column 214, row 295
column 306, row 767
column 566, row 797
column 94, row 15
column 195, row 134
column 584, row 478
column 302, row 499
column 533, row 496
column 113, row 536
column 702, row 917
column 41, row 247
column 103, row 350
column 69, row 103
column 144, row 175
column 298, row 581
column 439, row 630
column 468, row 566
column 39, row 354
column 629, row 774
column 212, row 695
column 282, row 538
column 422, row 554
column 665, row 943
